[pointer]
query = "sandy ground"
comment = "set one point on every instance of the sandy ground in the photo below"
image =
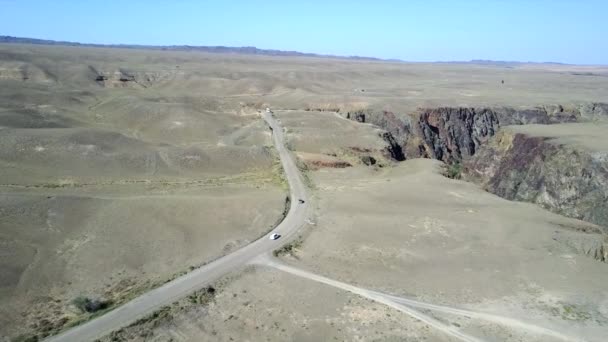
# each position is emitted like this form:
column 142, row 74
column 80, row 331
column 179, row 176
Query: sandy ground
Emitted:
column 328, row 133
column 58, row 247
column 591, row 137
column 267, row 305
column 411, row 232
column 107, row 190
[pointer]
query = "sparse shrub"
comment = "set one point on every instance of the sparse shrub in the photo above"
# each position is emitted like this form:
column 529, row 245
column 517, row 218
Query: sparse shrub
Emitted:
column 289, row 145
column 80, row 303
column 288, row 248
column 368, row 160
column 52, row 186
column 25, row 338
column 86, row 304
column 454, row 170
column 202, row 296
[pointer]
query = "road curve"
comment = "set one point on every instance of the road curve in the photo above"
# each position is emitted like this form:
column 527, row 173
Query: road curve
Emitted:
column 192, row 281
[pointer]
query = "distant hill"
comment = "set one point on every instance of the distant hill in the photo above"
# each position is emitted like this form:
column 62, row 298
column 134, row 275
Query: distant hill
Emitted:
column 245, row 50
column 491, row 62
column 499, row 63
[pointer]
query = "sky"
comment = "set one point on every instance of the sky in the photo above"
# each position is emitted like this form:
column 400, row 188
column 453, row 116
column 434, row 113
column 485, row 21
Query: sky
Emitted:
column 417, row 30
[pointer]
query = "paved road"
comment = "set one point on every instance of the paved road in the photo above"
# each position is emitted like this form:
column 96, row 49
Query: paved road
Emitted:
column 182, row 286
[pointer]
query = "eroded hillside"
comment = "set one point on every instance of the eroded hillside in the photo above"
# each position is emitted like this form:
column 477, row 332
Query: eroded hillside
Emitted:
column 563, row 168
column 115, row 179
column 566, row 177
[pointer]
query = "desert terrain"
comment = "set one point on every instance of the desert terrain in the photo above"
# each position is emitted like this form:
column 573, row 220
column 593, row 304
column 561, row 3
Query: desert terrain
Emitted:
column 122, row 169
column 109, row 190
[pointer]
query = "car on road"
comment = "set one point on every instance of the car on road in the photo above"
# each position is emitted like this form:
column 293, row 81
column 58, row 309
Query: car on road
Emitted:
column 274, row 236
column 301, row 201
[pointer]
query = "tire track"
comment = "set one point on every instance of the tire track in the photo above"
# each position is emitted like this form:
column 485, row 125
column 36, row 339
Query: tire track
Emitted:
column 406, row 306
column 377, row 297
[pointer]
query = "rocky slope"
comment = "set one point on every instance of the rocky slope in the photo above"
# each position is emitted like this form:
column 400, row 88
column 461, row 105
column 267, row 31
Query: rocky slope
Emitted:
column 451, row 134
column 569, row 177
column 563, row 176
column 535, row 164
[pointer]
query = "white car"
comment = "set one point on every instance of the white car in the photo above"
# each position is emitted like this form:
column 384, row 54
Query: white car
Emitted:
column 274, row 236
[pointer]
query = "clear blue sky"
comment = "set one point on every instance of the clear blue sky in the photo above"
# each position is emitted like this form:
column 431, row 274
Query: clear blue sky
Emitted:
column 533, row 30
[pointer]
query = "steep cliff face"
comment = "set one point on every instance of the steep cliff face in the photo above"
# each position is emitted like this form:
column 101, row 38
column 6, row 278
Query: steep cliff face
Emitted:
column 393, row 149
column 452, row 134
column 563, row 176
column 483, row 146
column 449, row 134
column 565, row 179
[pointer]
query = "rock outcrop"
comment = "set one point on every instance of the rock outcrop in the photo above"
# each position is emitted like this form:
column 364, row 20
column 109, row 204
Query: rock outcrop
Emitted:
column 449, row 134
column 357, row 116
column 122, row 78
column 368, row 160
column 562, row 178
column 452, row 134
column 393, row 150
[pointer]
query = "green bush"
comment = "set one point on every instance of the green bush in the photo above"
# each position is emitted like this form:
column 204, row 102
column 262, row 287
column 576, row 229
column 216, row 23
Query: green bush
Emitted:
column 25, row 338
column 454, row 171
column 86, row 304
column 289, row 248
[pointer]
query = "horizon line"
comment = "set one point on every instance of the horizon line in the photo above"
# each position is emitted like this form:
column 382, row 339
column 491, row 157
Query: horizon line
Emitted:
column 253, row 50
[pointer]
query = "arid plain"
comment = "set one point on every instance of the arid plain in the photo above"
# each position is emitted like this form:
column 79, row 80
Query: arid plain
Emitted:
column 122, row 169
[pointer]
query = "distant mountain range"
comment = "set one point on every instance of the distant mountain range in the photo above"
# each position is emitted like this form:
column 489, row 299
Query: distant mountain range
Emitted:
column 491, row 62
column 244, row 50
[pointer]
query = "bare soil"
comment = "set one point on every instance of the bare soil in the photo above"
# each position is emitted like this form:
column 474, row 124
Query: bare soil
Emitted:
column 410, row 231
